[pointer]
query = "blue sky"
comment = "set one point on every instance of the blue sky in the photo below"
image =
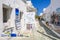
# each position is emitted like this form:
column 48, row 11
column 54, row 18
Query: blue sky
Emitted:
column 40, row 5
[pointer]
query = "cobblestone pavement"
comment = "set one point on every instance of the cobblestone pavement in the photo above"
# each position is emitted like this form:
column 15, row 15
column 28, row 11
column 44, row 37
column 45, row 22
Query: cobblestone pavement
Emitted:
column 38, row 34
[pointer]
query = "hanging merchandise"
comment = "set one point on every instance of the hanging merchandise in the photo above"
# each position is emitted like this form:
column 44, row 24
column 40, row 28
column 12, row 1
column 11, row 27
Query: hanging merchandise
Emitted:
column 17, row 19
column 29, row 26
column 13, row 34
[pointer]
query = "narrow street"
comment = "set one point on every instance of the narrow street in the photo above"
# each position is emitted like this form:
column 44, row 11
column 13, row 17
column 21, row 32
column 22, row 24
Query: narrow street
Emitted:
column 29, row 19
column 40, row 33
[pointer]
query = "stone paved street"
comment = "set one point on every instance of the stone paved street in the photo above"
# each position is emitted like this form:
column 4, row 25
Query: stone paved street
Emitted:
column 38, row 34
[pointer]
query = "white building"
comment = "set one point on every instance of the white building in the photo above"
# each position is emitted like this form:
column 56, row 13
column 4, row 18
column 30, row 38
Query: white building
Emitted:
column 28, row 18
column 52, row 7
column 8, row 14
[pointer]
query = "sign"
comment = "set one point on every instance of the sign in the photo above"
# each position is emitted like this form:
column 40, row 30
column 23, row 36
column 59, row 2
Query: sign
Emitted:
column 17, row 11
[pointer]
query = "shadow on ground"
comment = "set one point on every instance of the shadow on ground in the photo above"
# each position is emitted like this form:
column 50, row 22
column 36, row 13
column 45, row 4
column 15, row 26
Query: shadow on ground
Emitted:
column 48, row 31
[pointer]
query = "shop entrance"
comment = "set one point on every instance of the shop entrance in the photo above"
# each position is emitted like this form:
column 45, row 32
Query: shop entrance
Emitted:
column 6, row 13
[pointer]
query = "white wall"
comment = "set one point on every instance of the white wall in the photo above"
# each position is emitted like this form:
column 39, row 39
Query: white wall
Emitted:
column 15, row 4
column 1, row 18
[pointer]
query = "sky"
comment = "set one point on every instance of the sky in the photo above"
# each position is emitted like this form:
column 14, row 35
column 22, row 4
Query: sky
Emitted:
column 40, row 5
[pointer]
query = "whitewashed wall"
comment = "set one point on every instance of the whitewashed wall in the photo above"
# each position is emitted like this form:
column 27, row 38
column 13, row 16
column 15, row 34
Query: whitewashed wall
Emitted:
column 13, row 4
